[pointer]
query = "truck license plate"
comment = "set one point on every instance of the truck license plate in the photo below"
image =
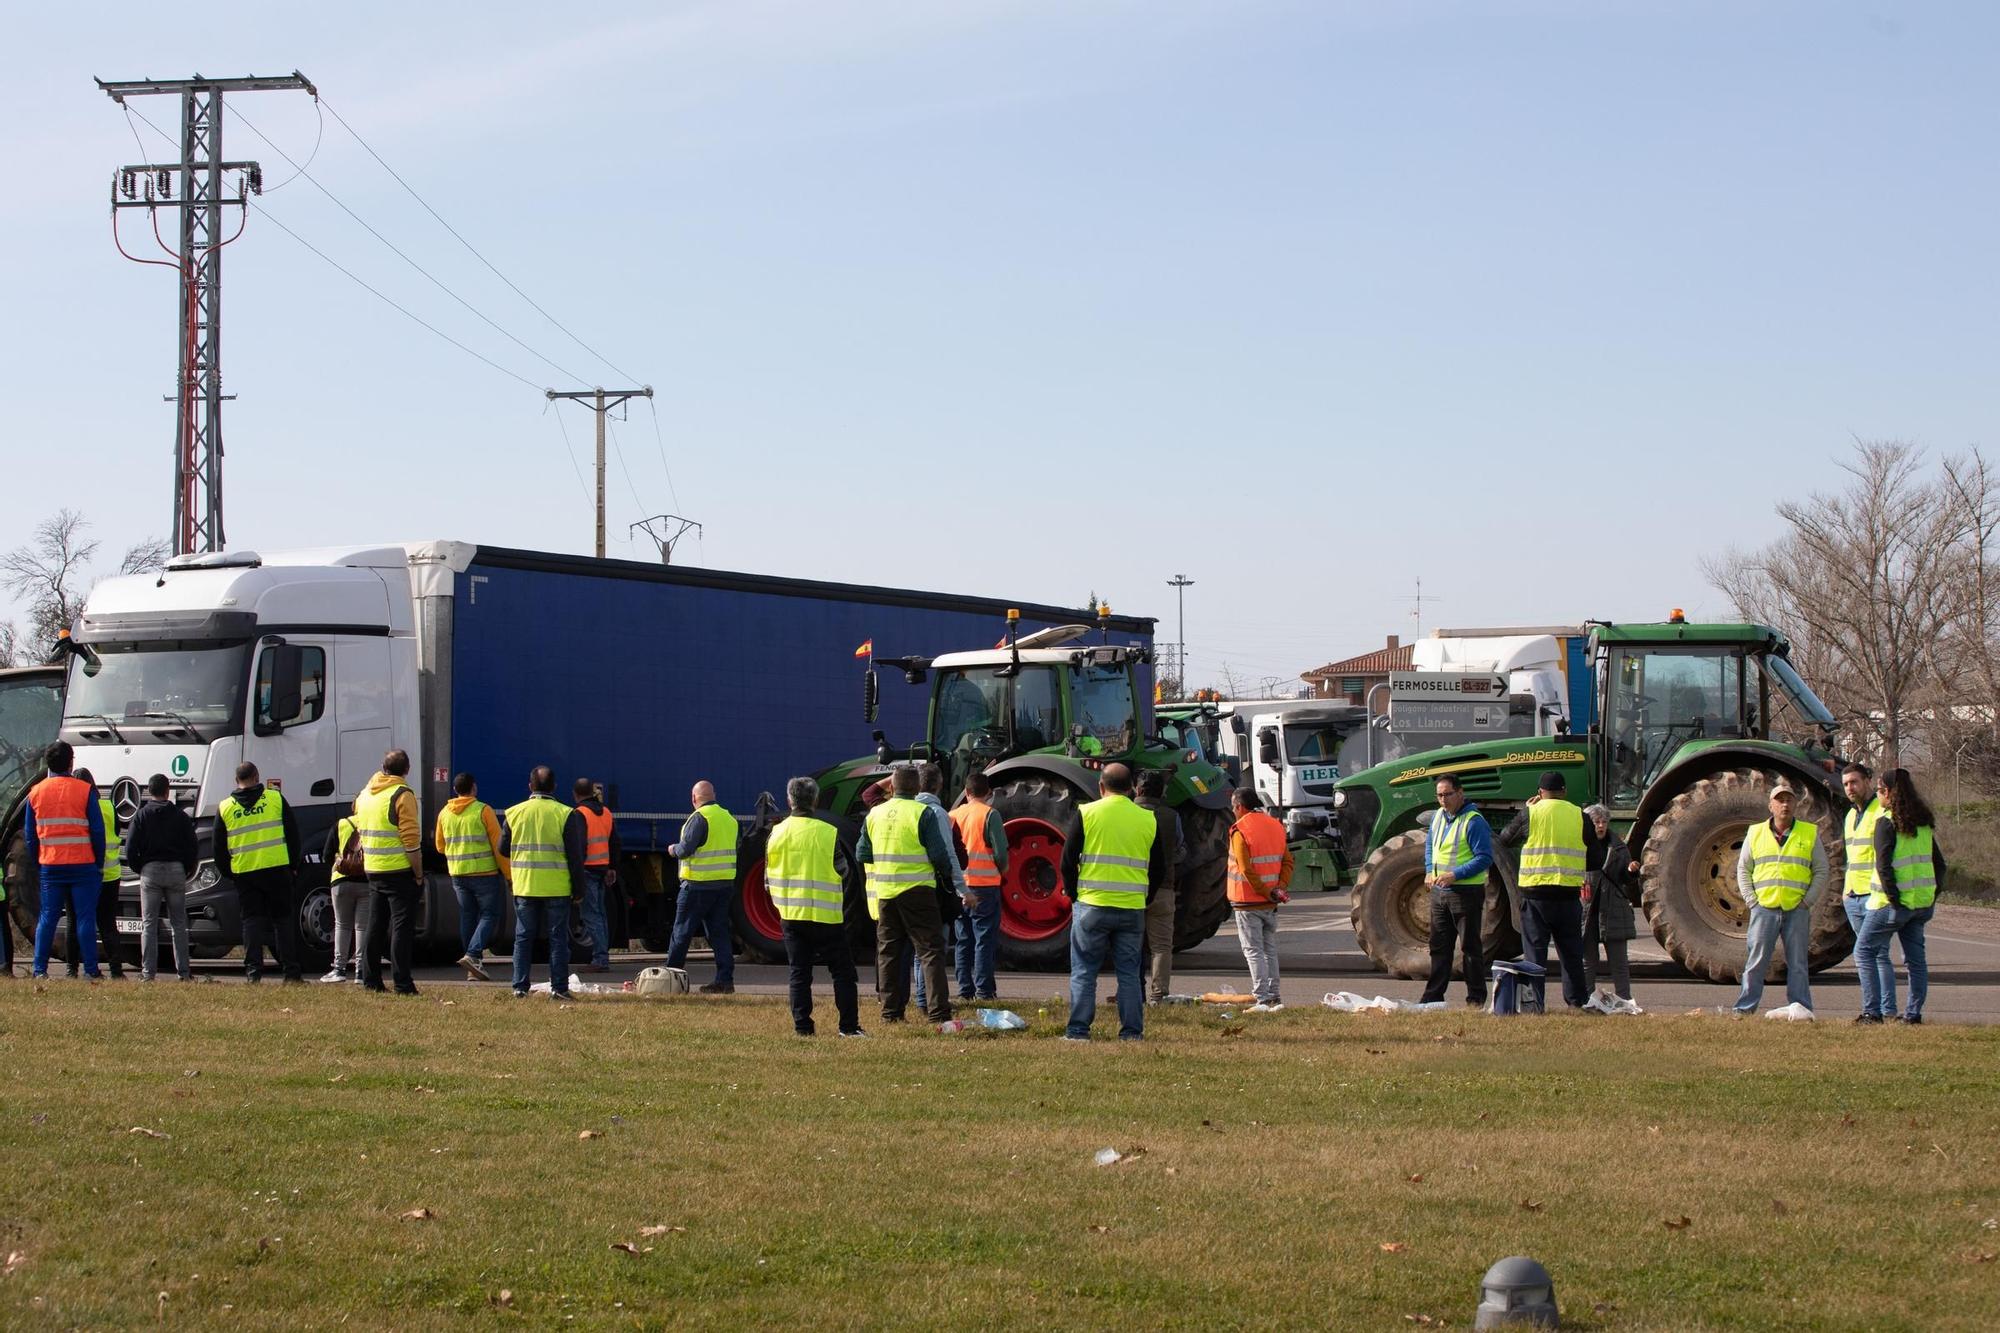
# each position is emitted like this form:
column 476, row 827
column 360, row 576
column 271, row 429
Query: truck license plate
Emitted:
column 131, row 925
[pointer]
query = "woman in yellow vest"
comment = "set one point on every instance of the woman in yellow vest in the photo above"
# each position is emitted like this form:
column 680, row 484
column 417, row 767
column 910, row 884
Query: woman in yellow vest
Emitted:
column 1909, row 870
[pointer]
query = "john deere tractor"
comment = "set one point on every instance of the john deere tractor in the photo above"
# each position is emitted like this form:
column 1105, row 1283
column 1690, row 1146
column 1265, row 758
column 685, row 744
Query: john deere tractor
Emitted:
column 1041, row 716
column 1694, row 724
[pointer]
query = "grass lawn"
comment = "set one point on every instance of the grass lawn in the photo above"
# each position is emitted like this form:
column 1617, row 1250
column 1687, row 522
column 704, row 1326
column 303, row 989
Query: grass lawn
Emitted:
column 1302, row 1169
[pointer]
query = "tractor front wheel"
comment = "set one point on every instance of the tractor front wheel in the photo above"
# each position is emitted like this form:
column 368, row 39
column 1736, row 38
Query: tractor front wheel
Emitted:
column 1201, row 893
column 1689, row 870
column 1391, row 910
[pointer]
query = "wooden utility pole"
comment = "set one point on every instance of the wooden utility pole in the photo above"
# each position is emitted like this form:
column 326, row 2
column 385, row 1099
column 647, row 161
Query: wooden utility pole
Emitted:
column 601, row 401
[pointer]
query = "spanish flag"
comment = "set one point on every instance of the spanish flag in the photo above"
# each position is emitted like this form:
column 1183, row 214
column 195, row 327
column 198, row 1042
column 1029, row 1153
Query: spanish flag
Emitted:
column 867, row 649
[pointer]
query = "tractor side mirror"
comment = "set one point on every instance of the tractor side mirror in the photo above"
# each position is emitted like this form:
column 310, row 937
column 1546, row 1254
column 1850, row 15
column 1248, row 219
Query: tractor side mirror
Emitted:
column 871, row 696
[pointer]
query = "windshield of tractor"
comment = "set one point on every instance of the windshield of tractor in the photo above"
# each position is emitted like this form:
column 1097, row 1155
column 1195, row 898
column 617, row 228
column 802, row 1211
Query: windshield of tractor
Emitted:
column 980, row 712
column 1101, row 697
column 30, row 711
column 199, row 680
column 1662, row 700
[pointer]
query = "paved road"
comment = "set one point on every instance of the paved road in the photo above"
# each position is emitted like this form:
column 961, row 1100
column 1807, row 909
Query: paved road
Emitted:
column 1318, row 955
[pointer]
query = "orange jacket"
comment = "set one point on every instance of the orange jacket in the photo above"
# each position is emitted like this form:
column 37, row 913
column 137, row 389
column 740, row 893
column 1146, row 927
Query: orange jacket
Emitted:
column 1260, row 864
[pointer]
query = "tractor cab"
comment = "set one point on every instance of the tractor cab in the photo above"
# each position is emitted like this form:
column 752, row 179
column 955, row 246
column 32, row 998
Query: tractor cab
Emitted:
column 1669, row 690
column 988, row 706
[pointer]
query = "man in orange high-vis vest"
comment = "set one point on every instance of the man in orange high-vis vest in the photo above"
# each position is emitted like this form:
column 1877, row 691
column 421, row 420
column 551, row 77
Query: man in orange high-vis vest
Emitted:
column 64, row 830
column 1260, row 869
column 984, row 834
column 601, row 851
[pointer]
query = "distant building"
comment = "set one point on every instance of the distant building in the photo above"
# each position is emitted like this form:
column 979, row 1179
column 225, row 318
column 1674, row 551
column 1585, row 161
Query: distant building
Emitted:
column 1350, row 679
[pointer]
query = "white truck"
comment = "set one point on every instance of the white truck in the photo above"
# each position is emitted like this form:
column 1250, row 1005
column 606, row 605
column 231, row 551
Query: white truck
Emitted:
column 1289, row 751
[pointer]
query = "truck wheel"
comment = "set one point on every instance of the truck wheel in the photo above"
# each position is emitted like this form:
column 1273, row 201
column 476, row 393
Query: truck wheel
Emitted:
column 315, row 930
column 1201, row 895
column 1034, row 913
column 1392, row 907
column 1689, row 870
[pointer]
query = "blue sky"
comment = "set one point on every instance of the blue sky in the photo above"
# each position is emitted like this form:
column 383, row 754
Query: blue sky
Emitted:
column 1539, row 301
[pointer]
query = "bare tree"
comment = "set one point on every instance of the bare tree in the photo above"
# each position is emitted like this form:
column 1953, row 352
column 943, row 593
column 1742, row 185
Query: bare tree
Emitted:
column 1867, row 585
column 146, row 557
column 49, row 573
column 10, row 645
column 1234, row 684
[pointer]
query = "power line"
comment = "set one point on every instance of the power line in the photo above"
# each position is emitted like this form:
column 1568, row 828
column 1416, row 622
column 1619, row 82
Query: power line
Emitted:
column 629, row 378
column 570, row 449
column 319, row 136
column 405, row 311
column 397, row 251
column 619, row 449
column 660, row 440
column 358, row 281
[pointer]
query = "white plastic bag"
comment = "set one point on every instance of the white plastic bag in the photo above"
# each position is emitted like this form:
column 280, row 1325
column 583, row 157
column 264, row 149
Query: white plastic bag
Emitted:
column 1791, row 1013
column 1002, row 1020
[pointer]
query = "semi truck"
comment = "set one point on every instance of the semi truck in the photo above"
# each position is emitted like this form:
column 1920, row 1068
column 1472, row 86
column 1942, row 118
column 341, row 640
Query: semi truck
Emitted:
column 1692, row 724
column 645, row 678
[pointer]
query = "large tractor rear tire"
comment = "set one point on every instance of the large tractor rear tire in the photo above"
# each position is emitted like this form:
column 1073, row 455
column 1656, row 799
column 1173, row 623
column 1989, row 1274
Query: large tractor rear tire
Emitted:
column 1391, row 911
column 1689, row 872
column 1039, row 814
column 760, row 931
column 1201, row 895
column 1500, row 929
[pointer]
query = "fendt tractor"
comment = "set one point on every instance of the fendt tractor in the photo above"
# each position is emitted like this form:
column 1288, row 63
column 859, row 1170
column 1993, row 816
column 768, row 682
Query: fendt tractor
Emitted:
column 1041, row 716
column 1694, row 724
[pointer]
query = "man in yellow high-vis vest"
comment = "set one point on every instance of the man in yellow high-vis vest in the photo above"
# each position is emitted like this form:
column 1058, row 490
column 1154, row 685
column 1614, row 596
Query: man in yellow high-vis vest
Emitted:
column 257, row 850
column 904, row 849
column 385, row 820
column 707, row 856
column 468, row 838
column 1113, row 859
column 1864, row 807
column 805, row 872
column 1555, row 841
column 1780, row 874
column 542, row 841
column 109, row 949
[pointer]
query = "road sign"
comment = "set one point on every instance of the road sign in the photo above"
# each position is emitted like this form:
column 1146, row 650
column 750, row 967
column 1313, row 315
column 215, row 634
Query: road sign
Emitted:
column 1452, row 685
column 1421, row 715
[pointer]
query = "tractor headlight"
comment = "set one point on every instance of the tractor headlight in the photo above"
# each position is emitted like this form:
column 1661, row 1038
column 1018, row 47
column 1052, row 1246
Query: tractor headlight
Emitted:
column 1339, row 799
column 206, row 876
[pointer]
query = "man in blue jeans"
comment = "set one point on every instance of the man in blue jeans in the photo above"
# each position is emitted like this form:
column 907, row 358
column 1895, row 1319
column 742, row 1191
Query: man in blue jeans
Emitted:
column 707, row 856
column 1113, row 860
column 1782, row 871
column 64, row 830
column 543, row 843
column 1858, row 828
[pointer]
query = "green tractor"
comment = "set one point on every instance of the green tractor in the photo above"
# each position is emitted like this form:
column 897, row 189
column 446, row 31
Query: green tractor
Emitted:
column 1041, row 716
column 1694, row 724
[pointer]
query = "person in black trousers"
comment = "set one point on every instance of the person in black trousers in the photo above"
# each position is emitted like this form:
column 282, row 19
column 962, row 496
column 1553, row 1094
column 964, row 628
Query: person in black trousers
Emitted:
column 267, row 900
column 1458, row 853
column 385, row 818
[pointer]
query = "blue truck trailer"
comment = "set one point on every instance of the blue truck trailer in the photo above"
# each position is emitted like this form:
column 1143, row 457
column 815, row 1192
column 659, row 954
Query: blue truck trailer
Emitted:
column 645, row 678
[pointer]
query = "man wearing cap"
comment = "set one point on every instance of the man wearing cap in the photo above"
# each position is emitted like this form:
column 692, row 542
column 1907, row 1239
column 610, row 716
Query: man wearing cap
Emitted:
column 1780, row 874
column 1555, row 841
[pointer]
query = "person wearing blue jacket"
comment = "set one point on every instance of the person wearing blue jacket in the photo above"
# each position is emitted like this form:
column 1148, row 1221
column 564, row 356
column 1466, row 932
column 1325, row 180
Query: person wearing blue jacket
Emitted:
column 71, row 864
column 1457, row 856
